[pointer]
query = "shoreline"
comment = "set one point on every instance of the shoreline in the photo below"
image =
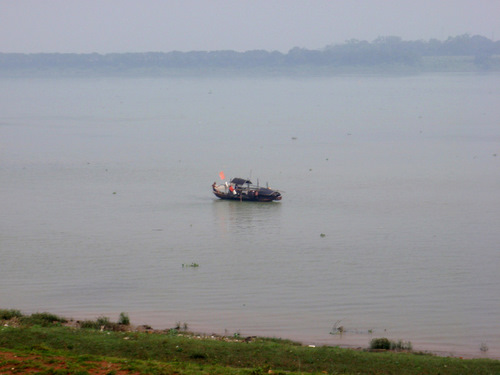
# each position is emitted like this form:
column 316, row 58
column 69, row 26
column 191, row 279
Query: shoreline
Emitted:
column 44, row 342
column 352, row 341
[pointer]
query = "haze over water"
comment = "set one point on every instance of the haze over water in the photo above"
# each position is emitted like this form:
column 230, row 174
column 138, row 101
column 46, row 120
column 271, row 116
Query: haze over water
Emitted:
column 388, row 225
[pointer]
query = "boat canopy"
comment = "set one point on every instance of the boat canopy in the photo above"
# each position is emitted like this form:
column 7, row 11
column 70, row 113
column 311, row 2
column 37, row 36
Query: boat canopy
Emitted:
column 240, row 181
column 266, row 191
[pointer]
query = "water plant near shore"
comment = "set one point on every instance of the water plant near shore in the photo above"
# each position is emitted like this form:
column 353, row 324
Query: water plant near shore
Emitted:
column 386, row 344
column 181, row 326
column 484, row 348
column 124, row 319
column 6, row 314
column 337, row 328
column 103, row 323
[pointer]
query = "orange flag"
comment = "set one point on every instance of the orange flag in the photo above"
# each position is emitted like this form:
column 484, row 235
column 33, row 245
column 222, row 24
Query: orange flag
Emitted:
column 221, row 175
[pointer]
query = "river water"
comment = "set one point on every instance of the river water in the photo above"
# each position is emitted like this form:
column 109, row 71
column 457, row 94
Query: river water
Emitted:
column 389, row 225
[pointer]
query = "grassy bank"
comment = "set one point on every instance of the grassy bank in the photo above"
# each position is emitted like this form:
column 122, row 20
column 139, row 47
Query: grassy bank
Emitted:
column 53, row 345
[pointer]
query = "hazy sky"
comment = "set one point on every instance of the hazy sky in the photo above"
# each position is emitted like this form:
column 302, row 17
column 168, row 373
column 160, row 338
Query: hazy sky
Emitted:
column 103, row 26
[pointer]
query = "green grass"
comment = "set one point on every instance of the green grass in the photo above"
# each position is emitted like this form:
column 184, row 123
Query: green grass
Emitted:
column 165, row 353
column 43, row 319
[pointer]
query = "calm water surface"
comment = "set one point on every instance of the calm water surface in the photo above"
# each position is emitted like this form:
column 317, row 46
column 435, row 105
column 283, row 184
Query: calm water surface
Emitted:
column 388, row 225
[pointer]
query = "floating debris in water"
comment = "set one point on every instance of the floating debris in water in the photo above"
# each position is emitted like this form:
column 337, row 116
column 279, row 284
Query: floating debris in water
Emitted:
column 193, row 265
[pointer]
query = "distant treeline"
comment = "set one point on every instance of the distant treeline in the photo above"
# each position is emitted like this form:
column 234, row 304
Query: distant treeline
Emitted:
column 458, row 53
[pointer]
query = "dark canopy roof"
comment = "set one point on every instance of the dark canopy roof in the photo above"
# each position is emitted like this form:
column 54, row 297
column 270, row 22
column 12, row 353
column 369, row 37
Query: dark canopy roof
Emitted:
column 240, row 181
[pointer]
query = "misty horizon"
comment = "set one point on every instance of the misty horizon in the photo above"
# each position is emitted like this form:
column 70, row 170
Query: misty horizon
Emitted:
column 56, row 26
column 389, row 54
column 328, row 46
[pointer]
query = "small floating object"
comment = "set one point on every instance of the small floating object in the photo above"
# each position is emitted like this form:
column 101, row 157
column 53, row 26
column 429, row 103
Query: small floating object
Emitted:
column 193, row 265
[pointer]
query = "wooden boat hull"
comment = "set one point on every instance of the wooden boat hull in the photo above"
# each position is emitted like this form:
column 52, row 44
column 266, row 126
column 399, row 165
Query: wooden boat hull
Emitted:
column 247, row 198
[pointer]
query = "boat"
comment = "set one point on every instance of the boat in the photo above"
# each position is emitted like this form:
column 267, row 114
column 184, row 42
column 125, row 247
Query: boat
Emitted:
column 242, row 189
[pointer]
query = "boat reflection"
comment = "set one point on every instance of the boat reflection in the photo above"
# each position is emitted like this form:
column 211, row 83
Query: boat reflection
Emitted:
column 245, row 218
